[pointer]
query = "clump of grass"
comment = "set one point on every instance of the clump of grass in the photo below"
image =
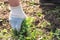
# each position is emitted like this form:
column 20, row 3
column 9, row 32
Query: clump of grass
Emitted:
column 26, row 29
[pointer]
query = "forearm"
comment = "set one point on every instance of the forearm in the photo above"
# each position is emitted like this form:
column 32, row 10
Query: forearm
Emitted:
column 14, row 3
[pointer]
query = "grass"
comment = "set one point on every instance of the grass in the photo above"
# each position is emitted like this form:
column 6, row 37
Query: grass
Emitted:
column 33, row 28
column 28, row 32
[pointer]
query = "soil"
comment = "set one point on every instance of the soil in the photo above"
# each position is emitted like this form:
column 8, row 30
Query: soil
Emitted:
column 50, row 14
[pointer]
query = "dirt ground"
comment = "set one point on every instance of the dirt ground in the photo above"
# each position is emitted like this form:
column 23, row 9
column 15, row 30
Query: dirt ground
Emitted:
column 49, row 14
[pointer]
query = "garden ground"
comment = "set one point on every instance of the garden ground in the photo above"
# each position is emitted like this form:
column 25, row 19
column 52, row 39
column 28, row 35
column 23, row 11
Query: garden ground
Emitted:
column 42, row 26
